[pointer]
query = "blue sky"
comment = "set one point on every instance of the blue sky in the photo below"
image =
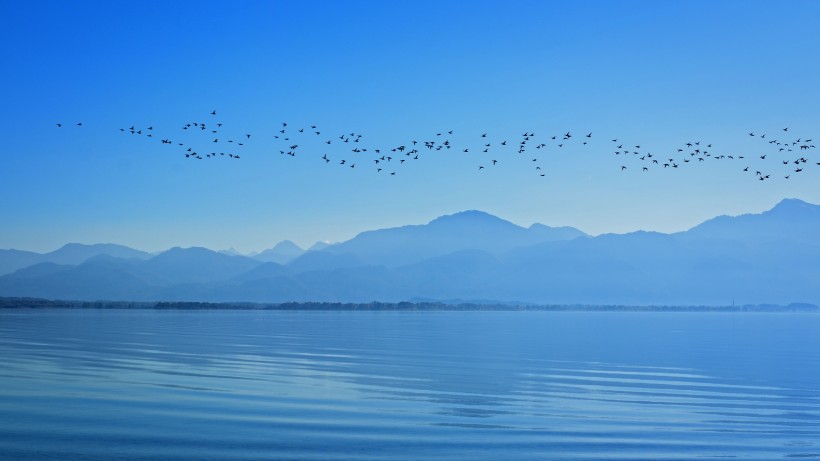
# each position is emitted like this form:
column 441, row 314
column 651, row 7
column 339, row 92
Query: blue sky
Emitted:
column 648, row 73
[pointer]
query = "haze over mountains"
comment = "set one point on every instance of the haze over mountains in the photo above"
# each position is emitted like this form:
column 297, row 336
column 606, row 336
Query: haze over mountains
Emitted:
column 771, row 257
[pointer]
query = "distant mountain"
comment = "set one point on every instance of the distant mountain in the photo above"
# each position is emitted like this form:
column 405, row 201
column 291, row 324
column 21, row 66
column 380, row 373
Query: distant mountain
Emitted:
column 791, row 219
column 281, row 253
column 75, row 253
column 551, row 234
column 99, row 278
column 109, row 277
column 38, row 270
column 770, row 257
column 467, row 230
column 72, row 253
column 11, row 260
column 198, row 265
column 319, row 246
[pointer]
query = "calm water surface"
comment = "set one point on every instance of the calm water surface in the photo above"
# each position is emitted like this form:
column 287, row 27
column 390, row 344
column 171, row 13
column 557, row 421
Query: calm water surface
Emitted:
column 216, row 385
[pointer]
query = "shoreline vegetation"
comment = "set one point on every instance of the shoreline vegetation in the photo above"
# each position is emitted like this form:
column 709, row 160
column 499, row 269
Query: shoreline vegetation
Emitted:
column 39, row 303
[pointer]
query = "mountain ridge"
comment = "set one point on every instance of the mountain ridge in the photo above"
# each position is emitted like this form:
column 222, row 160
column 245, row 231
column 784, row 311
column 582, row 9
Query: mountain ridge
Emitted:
column 767, row 257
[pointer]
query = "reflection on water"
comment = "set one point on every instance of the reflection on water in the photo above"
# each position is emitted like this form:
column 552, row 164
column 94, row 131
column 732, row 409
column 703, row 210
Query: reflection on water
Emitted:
column 199, row 385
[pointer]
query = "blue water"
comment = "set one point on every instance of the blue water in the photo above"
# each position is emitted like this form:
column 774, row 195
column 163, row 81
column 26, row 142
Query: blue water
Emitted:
column 265, row 385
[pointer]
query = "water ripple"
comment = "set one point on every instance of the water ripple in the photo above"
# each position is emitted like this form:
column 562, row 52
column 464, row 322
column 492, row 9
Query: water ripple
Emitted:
column 105, row 385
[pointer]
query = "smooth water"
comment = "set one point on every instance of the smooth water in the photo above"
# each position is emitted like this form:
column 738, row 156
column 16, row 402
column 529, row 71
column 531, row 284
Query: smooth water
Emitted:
column 216, row 385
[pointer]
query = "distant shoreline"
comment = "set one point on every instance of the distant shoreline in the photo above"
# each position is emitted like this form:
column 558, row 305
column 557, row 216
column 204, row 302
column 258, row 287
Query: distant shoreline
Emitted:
column 39, row 303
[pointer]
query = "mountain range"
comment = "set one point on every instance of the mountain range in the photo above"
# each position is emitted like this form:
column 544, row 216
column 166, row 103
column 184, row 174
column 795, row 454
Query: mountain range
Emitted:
column 770, row 257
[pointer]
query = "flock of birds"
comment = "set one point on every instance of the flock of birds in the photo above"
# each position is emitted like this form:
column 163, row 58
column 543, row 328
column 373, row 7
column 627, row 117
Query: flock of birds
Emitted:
column 206, row 139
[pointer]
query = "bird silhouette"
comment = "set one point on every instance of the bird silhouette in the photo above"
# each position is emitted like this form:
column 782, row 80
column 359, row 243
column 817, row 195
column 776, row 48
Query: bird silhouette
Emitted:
column 440, row 141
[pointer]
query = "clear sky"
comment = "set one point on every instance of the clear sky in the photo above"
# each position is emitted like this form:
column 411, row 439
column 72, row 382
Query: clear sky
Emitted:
column 651, row 73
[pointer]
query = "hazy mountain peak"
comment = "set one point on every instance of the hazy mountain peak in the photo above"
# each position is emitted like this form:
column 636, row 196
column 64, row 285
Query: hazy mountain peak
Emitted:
column 188, row 250
column 319, row 246
column 468, row 214
column 68, row 254
column 72, row 246
column 793, row 205
column 198, row 265
column 76, row 253
column 287, row 246
column 281, row 253
column 471, row 218
column 473, row 215
column 778, row 223
column 465, row 230
column 75, row 247
column 549, row 233
column 194, row 254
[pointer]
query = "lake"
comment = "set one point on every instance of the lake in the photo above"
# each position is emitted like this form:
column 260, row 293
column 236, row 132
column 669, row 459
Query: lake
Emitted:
column 276, row 385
